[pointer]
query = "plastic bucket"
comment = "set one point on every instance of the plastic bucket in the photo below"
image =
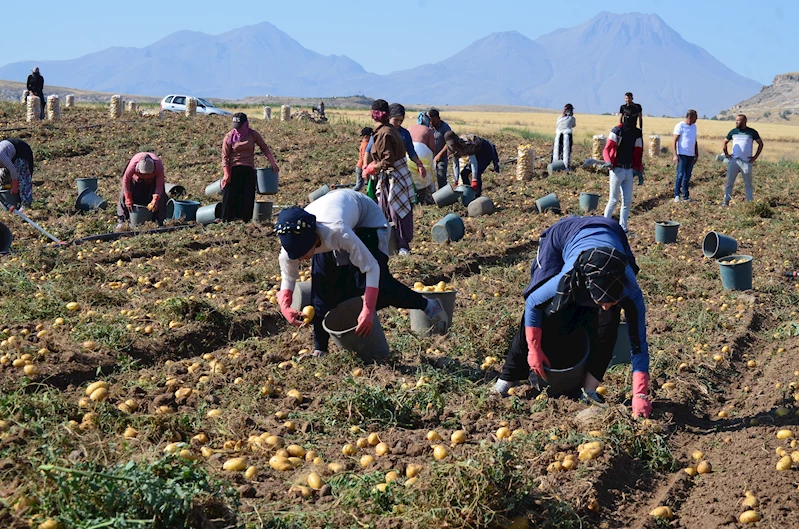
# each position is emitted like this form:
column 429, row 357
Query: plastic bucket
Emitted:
column 715, row 245
column 174, row 191
column 589, row 202
column 340, row 323
column 446, row 196
column 563, row 379
column 554, row 167
column 6, row 238
column 213, row 189
column 86, row 183
column 480, row 206
column 185, row 209
column 266, row 181
column 467, row 194
column 548, row 202
column 10, row 198
column 319, row 193
column 262, row 211
column 170, row 208
column 621, row 351
column 208, row 214
column 89, row 200
column 420, row 323
column 139, row 215
column 302, row 295
column 736, row 272
column 450, row 228
column 666, row 231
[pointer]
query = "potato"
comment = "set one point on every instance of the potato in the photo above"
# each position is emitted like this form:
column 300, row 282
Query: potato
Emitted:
column 349, row 450
column 335, row 468
column 785, row 463
column 73, row 306
column 750, row 502
column 95, row 386
column 296, row 394
column 362, row 442
column 279, row 463
column 275, row 441
column 236, row 464
column 382, row 449
column 48, row 524
column 749, row 517
column 503, row 433
column 251, row 472
column 367, row 461
column 130, row 433
column 663, row 512
column 569, row 464
column 458, row 437
column 412, row 470
column 373, row 439
column 704, row 467
column 182, row 393
column 314, row 481
column 410, row 482
column 392, row 476
column 99, row 395
column 433, row 435
column 691, row 471
column 296, row 450
column 309, row 312
column 440, row 452
column 784, row 434
column 310, row 455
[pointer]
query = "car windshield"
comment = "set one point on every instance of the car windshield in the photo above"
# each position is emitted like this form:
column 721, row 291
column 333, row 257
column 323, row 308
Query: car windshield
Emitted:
column 204, row 102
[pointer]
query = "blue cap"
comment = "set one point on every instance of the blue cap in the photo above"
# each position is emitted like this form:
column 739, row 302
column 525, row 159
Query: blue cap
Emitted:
column 297, row 230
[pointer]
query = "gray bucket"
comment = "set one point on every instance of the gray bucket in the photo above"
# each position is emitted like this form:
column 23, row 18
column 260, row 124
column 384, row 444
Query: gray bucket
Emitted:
column 736, row 275
column 139, row 215
column 266, row 181
column 175, row 191
column 208, row 214
column 184, row 209
column 621, row 351
column 715, row 245
column 480, row 206
column 450, row 228
column 302, row 295
column 561, row 380
column 262, row 211
column 213, row 189
column 6, row 238
column 420, row 323
column 10, row 198
column 340, row 323
column 666, row 231
column 89, row 200
column 86, row 183
column 589, row 202
column 446, row 196
column 467, row 194
column 554, row 167
column 548, row 202
column 319, row 193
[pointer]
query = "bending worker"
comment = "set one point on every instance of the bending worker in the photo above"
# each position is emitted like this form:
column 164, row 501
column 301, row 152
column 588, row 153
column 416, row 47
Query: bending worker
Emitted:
column 16, row 157
column 583, row 275
column 142, row 183
column 345, row 235
column 481, row 153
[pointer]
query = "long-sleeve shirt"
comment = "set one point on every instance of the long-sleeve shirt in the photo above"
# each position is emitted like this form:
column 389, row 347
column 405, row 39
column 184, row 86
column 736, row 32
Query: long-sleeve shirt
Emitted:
column 483, row 156
column 625, row 147
column 632, row 298
column 243, row 152
column 407, row 140
column 387, row 148
column 438, row 134
column 35, row 83
column 423, row 134
column 362, row 151
column 12, row 149
column 133, row 176
column 565, row 124
column 338, row 214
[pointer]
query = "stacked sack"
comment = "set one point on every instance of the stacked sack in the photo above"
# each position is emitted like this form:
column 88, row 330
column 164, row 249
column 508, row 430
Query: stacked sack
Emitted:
column 53, row 108
column 598, row 144
column 24, row 98
column 132, row 106
column 34, row 110
column 285, row 113
column 70, row 101
column 116, row 106
column 525, row 162
column 268, row 113
column 654, row 146
column 191, row 107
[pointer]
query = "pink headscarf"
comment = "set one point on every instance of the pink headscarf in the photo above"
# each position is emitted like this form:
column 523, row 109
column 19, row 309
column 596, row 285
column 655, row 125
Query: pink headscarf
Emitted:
column 380, row 116
column 239, row 133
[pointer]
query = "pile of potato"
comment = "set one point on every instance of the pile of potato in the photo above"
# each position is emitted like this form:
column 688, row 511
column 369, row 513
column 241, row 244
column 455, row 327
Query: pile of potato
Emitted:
column 654, row 146
column 525, row 162
column 24, row 97
column 268, row 113
column 132, row 106
column 598, row 144
column 441, row 286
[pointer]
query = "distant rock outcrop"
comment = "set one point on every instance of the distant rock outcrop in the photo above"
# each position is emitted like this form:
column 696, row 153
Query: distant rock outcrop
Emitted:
column 774, row 102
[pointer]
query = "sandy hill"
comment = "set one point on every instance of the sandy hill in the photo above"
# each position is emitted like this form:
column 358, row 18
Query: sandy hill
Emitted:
column 777, row 102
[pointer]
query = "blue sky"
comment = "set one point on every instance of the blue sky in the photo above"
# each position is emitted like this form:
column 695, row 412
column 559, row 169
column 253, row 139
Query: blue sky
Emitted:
column 757, row 40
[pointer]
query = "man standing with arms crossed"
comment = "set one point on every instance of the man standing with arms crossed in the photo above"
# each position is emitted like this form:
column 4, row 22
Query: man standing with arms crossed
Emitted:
column 441, row 160
column 741, row 159
column 686, row 153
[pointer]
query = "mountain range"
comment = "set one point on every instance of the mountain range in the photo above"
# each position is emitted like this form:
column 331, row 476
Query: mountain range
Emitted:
column 590, row 65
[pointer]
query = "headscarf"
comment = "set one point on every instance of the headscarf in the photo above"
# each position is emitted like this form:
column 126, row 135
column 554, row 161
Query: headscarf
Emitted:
column 145, row 166
column 241, row 127
column 297, row 230
column 600, row 271
column 380, row 111
column 423, row 119
column 395, row 110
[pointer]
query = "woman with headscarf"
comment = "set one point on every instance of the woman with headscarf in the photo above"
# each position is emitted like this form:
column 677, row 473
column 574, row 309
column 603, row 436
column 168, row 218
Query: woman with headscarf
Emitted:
column 583, row 275
column 238, row 164
column 564, row 134
column 424, row 143
column 394, row 183
column 16, row 157
column 481, row 153
column 142, row 184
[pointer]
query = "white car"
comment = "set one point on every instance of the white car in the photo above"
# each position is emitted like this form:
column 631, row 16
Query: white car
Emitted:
column 177, row 103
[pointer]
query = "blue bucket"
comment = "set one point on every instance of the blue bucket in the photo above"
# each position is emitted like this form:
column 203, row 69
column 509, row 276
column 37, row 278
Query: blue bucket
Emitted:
column 467, row 194
column 549, row 202
column 621, row 351
column 10, row 198
column 139, row 215
column 736, row 272
column 666, row 231
column 89, row 200
column 267, row 181
column 208, row 214
column 262, row 212
column 446, row 196
column 185, row 209
column 450, row 228
column 589, row 202
column 174, row 191
column 715, row 245
column 86, row 183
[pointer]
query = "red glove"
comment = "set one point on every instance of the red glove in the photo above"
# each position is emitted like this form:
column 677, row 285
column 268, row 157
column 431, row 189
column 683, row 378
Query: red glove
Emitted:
column 294, row 317
column 370, row 169
column 536, row 358
column 641, row 404
column 129, row 205
column 367, row 316
column 15, row 187
column 474, row 185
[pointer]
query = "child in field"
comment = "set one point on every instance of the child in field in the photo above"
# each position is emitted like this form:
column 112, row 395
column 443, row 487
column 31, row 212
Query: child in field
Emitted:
column 366, row 134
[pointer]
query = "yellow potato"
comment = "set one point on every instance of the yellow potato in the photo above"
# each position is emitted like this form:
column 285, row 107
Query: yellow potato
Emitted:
column 296, row 450
column 99, row 395
column 749, row 517
column 663, row 512
column 373, row 439
column 785, row 463
column 503, row 433
column 433, row 435
column 412, row 470
column 95, row 386
column 349, row 450
column 237, row 464
column 367, row 461
column 392, row 476
column 458, row 437
column 382, row 449
column 784, row 434
column 362, row 442
column 335, row 468
column 308, row 312
column 314, row 481
column 251, row 472
column 691, row 471
column 280, row 463
column 750, row 501
column 440, row 452
column 704, row 467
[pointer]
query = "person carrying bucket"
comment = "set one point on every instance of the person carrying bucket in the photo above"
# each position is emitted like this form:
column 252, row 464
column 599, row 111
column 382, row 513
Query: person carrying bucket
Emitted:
column 481, row 153
column 345, row 235
column 564, row 134
column 142, row 183
column 16, row 157
column 582, row 277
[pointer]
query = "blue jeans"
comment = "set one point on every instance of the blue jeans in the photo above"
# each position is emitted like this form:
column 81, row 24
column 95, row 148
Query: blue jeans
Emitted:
column 685, row 166
column 621, row 183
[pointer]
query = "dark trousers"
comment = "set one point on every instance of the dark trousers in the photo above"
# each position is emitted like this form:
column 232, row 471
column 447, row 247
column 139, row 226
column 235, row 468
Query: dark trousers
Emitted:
column 560, row 336
column 238, row 197
column 142, row 195
column 441, row 173
column 331, row 284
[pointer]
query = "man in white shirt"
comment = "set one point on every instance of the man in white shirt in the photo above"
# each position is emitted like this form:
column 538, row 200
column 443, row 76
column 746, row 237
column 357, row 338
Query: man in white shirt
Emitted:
column 741, row 159
column 345, row 235
column 686, row 152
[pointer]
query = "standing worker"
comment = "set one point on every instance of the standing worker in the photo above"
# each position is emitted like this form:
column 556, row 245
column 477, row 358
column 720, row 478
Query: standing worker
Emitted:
column 366, row 138
column 624, row 154
column 16, row 157
column 36, row 86
column 424, row 143
column 564, row 136
column 346, row 236
column 394, row 183
column 440, row 127
column 238, row 164
column 741, row 159
column 686, row 153
column 633, row 108
column 481, row 153
column 582, row 277
column 142, row 183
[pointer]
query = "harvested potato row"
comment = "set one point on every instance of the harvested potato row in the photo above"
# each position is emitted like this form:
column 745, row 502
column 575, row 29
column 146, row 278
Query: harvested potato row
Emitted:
column 132, row 106
column 441, row 286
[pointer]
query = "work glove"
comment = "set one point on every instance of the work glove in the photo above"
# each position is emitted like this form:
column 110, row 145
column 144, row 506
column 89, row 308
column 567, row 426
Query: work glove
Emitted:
column 366, row 318
column 129, row 205
column 536, row 358
column 15, row 187
column 641, row 405
column 640, row 175
column 294, row 317
column 370, row 169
